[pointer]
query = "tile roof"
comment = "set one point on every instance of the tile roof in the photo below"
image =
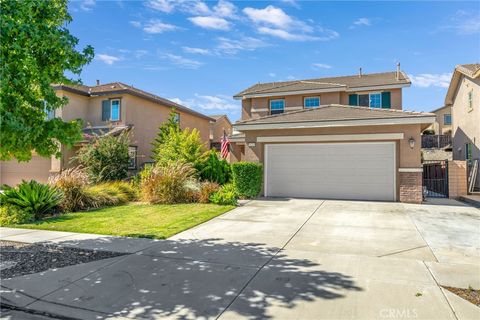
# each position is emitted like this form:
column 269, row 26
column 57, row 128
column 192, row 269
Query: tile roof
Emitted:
column 471, row 69
column 335, row 112
column 344, row 82
column 93, row 132
column 118, row 88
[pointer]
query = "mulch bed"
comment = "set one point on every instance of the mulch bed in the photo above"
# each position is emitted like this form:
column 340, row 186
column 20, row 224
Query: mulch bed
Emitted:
column 469, row 294
column 17, row 259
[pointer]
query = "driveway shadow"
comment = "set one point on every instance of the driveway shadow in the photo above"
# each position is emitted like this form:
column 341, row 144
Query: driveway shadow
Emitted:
column 189, row 279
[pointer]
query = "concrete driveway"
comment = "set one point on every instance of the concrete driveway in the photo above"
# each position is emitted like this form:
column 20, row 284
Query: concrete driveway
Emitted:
column 278, row 259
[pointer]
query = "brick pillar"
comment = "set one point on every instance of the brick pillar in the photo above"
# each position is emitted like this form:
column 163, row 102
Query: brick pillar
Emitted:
column 410, row 187
column 457, row 178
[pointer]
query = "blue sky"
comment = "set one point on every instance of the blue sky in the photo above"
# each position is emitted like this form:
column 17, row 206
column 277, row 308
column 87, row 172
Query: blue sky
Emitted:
column 201, row 53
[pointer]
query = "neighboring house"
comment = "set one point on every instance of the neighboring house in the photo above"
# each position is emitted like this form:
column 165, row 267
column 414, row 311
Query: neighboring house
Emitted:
column 340, row 137
column 463, row 96
column 108, row 109
column 443, row 123
column 218, row 126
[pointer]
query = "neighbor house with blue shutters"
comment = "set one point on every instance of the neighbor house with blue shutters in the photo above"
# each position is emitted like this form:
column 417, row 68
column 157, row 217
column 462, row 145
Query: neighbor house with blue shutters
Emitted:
column 108, row 109
column 341, row 137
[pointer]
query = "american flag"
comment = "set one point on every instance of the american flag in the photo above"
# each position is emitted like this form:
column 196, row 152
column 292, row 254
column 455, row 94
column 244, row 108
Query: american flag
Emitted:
column 225, row 147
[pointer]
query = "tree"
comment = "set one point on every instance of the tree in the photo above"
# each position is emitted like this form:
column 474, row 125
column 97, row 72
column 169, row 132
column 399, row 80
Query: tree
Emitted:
column 37, row 50
column 163, row 132
column 180, row 145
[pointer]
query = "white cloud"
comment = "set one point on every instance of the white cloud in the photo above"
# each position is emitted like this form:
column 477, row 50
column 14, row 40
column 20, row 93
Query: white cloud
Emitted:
column 293, row 3
column 269, row 15
column 108, row 59
column 272, row 74
column 362, row 22
column 87, row 5
column 204, row 52
column 210, row 103
column 425, row 80
column 322, row 66
column 211, row 22
column 166, row 6
column 225, row 9
column 181, row 61
column 463, row 23
column 233, row 46
column 275, row 22
column 155, row 26
column 136, row 24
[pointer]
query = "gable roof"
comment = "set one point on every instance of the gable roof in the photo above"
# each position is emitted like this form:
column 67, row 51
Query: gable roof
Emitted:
column 217, row 117
column 343, row 83
column 438, row 109
column 120, row 88
column 471, row 70
column 335, row 114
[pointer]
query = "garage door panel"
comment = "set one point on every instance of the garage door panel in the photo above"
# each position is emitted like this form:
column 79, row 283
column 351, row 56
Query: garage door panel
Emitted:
column 362, row 171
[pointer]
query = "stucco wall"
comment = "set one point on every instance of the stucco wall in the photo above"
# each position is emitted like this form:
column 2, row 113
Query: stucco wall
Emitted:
column 147, row 116
column 457, row 178
column 253, row 108
column 218, row 127
column 12, row 172
column 439, row 126
column 466, row 123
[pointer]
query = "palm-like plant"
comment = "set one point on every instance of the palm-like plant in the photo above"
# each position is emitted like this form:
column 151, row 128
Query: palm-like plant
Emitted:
column 33, row 197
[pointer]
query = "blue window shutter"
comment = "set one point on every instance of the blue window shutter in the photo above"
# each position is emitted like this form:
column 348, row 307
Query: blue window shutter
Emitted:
column 386, row 100
column 353, row 99
column 105, row 110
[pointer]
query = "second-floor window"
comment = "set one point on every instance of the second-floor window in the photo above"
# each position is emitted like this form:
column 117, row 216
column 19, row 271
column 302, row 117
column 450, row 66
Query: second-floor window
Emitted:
column 111, row 110
column 277, row 106
column 311, row 102
column 372, row 100
column 447, row 119
column 470, row 100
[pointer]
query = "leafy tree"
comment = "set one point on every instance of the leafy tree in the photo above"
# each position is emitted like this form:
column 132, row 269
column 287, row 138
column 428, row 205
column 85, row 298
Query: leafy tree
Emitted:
column 36, row 51
column 214, row 169
column 106, row 158
column 180, row 145
column 164, row 131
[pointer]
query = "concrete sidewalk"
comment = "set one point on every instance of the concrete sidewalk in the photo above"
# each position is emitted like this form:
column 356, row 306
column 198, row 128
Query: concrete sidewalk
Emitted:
column 272, row 258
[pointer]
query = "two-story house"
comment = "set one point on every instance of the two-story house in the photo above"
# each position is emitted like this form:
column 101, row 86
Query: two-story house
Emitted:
column 108, row 109
column 443, row 124
column 463, row 96
column 338, row 137
column 218, row 127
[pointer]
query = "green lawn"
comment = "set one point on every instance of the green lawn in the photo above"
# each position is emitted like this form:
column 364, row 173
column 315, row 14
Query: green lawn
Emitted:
column 133, row 220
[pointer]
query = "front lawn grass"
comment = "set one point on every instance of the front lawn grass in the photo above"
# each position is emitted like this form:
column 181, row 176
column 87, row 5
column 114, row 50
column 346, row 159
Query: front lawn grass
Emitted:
column 133, row 220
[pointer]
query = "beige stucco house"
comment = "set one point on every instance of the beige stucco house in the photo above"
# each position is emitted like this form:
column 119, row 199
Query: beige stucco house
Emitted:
column 463, row 96
column 443, row 123
column 108, row 109
column 218, row 126
column 338, row 137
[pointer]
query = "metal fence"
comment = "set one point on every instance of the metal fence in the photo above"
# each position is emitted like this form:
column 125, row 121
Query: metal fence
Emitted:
column 436, row 141
column 435, row 179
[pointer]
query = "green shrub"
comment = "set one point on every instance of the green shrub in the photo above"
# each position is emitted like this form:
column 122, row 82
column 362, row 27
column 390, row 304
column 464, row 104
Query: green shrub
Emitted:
column 33, row 197
column 214, row 169
column 110, row 194
column 166, row 183
column 226, row 195
column 179, row 146
column 72, row 182
column 106, row 158
column 247, row 177
column 10, row 214
column 207, row 188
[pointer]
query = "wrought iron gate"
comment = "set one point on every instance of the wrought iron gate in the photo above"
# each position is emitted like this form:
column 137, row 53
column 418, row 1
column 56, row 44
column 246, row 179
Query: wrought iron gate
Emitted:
column 435, row 179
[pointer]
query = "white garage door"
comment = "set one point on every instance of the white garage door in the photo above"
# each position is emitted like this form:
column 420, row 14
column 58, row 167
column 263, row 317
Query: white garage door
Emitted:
column 359, row 171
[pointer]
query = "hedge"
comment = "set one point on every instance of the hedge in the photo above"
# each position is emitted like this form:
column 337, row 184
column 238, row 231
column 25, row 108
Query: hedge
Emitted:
column 247, row 177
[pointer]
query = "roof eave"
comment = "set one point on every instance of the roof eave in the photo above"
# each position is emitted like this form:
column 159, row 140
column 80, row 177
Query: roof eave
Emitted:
column 335, row 123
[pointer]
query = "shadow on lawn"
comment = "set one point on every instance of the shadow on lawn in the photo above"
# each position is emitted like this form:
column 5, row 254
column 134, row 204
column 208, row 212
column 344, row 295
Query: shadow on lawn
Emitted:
column 191, row 279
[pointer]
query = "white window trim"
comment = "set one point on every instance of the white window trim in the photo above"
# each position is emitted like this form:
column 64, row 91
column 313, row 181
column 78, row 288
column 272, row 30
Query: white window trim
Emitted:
column 273, row 100
column 444, row 122
column 119, row 109
column 305, row 98
column 369, row 99
column 135, row 159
